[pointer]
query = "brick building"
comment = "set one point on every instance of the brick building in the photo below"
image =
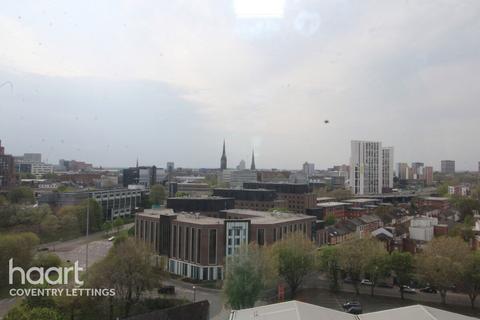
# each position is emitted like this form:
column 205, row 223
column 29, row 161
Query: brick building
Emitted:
column 7, row 169
column 298, row 196
column 197, row 245
column 254, row 199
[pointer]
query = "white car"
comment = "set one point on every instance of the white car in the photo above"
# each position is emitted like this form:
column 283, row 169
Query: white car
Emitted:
column 407, row 289
column 366, row 282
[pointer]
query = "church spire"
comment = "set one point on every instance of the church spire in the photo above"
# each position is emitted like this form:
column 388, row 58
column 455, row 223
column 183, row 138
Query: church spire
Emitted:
column 252, row 166
column 223, row 160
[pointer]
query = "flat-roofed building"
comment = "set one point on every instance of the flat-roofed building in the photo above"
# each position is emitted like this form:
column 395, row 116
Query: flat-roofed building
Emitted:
column 200, row 204
column 298, row 196
column 199, row 244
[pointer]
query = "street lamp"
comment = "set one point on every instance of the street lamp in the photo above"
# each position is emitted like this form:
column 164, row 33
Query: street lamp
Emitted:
column 194, row 293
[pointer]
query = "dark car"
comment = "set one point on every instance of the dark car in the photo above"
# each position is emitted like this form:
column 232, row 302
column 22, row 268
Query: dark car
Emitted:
column 385, row 285
column 428, row 290
column 350, row 304
column 167, row 290
column 354, row 310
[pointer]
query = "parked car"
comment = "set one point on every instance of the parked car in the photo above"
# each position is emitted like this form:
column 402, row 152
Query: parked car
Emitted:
column 350, row 304
column 167, row 290
column 366, row 282
column 428, row 290
column 353, row 307
column 407, row 289
column 385, row 285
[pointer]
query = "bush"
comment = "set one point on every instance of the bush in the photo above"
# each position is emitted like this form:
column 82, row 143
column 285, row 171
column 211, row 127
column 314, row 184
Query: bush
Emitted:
column 47, row 260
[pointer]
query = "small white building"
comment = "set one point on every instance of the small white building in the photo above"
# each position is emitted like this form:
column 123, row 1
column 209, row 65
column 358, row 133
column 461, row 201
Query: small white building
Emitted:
column 421, row 228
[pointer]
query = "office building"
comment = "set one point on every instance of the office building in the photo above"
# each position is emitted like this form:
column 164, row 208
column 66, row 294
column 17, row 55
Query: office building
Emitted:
column 417, row 170
column 223, row 159
column 146, row 176
column 447, row 166
column 402, row 171
column 298, row 197
column 115, row 202
column 40, row 169
column 197, row 245
column 242, row 165
column 7, row 169
column 200, row 204
column 253, row 199
column 428, row 175
column 387, row 169
column 366, row 172
column 239, row 177
column 170, row 167
column 308, row 169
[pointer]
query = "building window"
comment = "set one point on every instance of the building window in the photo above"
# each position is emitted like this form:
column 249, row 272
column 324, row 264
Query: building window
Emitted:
column 187, row 243
column 199, row 234
column 175, row 249
column 261, row 237
column 212, row 246
column 274, row 234
column 180, row 242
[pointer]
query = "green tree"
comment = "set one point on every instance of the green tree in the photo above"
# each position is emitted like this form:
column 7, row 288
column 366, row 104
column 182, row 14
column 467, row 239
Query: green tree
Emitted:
column 248, row 272
column 49, row 226
column 402, row 265
column 47, row 260
column 157, row 195
column 295, row 256
column 127, row 269
column 95, row 216
column 107, row 227
column 443, row 262
column 3, row 201
column 466, row 206
column 375, row 261
column 181, row 194
column 19, row 247
column 330, row 220
column 329, row 263
column 471, row 277
column 22, row 312
column 351, row 261
column 118, row 223
column 21, row 195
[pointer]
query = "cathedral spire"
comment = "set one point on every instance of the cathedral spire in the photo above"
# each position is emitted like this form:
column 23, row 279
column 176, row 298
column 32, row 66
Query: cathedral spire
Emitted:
column 252, row 166
column 223, row 160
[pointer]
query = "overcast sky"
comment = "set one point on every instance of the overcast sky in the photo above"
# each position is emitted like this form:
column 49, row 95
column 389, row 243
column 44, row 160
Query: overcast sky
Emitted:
column 107, row 81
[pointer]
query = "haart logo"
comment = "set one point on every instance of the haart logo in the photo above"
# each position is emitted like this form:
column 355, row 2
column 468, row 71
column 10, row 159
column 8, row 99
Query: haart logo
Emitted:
column 45, row 275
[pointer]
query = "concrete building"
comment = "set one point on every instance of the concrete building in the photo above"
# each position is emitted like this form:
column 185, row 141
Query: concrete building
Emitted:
column 239, row 177
column 366, row 162
column 422, row 228
column 447, row 166
column 146, row 176
column 7, row 169
column 308, row 169
column 298, row 197
column 403, row 171
column 459, row 190
column 242, row 165
column 428, row 175
column 115, row 202
column 197, row 245
column 387, row 169
column 39, row 168
column 170, row 167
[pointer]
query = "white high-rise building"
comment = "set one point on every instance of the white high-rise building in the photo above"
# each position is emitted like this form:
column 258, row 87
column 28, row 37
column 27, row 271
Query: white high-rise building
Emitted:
column 366, row 162
column 308, row 169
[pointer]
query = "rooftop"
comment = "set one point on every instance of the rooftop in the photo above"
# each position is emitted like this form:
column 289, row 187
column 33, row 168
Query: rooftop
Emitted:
column 296, row 310
column 331, row 204
column 362, row 200
column 435, row 198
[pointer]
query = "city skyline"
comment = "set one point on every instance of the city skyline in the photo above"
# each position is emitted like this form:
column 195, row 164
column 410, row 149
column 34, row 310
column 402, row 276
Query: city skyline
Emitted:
column 121, row 86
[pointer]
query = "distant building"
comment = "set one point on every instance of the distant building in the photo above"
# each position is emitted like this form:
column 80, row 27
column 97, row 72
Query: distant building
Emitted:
column 252, row 164
column 308, row 169
column 459, row 190
column 387, row 169
column 402, row 171
column 253, row 199
column 7, row 169
column 32, row 157
column 298, row 197
column 241, row 165
column 447, row 166
column 239, row 177
column 223, row 159
column 39, row 168
column 197, row 245
column 428, row 175
column 114, row 202
column 366, row 174
column 73, row 165
column 146, row 176
column 170, row 167
column 200, row 204
column 417, row 170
